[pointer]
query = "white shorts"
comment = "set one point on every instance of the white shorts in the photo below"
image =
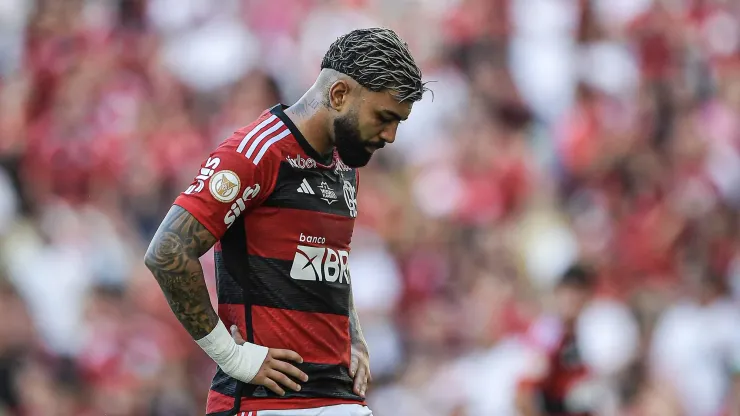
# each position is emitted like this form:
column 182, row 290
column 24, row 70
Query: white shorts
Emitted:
column 336, row 410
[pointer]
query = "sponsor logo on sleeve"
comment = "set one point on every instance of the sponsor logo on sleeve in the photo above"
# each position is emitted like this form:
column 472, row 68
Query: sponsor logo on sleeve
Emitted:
column 240, row 205
column 205, row 173
column 224, row 186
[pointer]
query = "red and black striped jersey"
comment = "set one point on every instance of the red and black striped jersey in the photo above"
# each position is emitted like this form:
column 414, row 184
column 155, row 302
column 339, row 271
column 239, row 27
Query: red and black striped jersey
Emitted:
column 558, row 371
column 284, row 221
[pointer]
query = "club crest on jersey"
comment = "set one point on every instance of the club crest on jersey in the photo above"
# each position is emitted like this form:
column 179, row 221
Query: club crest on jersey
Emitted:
column 299, row 162
column 224, row 186
column 327, row 194
column 350, row 198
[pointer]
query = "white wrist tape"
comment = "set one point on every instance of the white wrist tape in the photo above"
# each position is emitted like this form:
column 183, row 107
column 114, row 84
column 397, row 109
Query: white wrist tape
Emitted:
column 242, row 362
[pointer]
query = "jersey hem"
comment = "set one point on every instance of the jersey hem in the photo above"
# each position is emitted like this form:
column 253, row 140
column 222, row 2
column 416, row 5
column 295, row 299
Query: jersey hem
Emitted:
column 256, row 404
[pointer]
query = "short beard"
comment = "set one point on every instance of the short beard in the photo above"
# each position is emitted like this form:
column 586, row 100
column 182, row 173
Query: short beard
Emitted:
column 349, row 143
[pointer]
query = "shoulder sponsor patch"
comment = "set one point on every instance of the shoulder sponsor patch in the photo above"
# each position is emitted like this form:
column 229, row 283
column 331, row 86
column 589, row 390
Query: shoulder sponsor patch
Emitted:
column 205, row 173
column 240, row 204
column 224, row 186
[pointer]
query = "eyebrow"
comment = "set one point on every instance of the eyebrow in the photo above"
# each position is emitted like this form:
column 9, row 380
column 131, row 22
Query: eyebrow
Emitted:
column 393, row 115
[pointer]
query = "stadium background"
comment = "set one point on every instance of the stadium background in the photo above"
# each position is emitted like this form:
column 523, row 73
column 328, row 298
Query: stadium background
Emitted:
column 560, row 131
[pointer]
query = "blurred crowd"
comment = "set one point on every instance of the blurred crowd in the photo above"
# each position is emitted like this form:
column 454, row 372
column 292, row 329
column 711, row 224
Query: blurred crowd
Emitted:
column 600, row 133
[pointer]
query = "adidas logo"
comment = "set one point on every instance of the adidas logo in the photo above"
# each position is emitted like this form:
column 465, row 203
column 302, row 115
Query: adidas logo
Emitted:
column 305, row 188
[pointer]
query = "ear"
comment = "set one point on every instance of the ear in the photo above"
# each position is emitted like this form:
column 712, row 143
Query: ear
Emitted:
column 339, row 94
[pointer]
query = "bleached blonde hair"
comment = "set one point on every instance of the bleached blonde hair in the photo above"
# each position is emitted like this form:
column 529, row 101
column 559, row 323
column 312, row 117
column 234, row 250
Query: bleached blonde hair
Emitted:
column 378, row 60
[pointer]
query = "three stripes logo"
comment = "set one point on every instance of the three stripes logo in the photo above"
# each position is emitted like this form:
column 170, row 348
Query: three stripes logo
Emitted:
column 305, row 188
column 260, row 138
column 327, row 194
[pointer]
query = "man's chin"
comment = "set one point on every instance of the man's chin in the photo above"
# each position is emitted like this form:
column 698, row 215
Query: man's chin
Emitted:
column 357, row 164
column 356, row 160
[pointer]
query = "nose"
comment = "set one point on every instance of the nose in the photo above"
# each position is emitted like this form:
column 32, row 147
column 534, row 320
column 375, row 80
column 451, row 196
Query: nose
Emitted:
column 388, row 134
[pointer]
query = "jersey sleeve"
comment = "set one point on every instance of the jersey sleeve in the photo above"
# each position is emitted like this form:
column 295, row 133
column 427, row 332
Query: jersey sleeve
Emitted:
column 227, row 186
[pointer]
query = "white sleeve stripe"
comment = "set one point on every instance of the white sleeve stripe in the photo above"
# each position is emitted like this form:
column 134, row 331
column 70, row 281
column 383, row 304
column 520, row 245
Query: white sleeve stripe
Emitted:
column 254, row 131
column 270, row 143
column 262, row 136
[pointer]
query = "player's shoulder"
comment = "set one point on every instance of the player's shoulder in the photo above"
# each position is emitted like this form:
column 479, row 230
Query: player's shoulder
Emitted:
column 266, row 139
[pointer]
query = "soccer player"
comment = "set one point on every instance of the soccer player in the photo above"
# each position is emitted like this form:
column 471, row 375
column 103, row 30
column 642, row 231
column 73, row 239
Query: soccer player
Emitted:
column 278, row 201
column 549, row 387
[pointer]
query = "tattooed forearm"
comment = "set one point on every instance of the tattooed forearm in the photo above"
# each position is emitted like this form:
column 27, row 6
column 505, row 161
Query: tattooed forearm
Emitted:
column 173, row 258
column 355, row 331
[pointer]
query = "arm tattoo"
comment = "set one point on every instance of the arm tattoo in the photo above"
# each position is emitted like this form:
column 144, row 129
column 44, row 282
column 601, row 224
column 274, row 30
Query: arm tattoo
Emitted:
column 355, row 331
column 173, row 258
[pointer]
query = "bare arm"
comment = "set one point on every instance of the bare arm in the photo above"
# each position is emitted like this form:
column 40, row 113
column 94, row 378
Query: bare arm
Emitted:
column 355, row 331
column 173, row 258
column 360, row 364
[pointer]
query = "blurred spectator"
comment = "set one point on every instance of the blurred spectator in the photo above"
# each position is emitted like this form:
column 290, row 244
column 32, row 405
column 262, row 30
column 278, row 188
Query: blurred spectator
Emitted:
column 700, row 336
column 558, row 378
